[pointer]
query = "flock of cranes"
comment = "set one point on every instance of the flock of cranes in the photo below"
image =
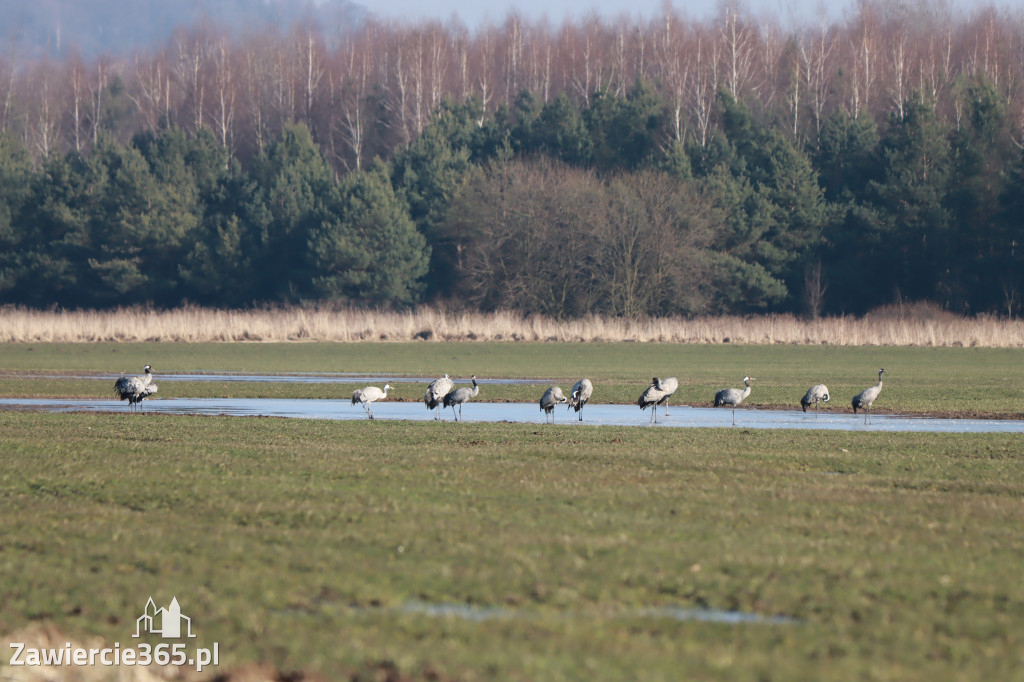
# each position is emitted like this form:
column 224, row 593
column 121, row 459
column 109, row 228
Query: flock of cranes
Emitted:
column 442, row 393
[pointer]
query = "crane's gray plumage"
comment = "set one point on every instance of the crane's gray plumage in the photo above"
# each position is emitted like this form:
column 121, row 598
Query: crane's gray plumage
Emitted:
column 733, row 397
column 136, row 389
column 581, row 392
column 553, row 396
column 668, row 387
column 815, row 394
column 460, row 396
column 436, row 392
column 864, row 399
column 370, row 394
column 652, row 397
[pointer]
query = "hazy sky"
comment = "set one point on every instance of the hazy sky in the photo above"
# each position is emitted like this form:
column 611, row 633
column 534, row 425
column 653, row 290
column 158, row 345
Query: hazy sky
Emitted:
column 474, row 12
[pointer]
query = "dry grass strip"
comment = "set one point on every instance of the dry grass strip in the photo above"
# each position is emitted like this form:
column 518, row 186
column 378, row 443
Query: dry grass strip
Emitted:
column 916, row 325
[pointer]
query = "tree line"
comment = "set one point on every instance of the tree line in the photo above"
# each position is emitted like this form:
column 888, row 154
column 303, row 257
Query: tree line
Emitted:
column 673, row 169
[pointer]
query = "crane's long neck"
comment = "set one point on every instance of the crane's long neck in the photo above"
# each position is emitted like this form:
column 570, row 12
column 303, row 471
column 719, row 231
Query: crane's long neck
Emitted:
column 476, row 388
column 879, row 379
column 746, row 391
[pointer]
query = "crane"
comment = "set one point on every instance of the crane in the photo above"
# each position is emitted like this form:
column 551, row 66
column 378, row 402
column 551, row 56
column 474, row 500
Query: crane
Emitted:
column 864, row 399
column 551, row 397
column 733, row 397
column 815, row 394
column 368, row 395
column 652, row 397
column 581, row 392
column 436, row 392
column 668, row 386
column 460, row 396
column 136, row 389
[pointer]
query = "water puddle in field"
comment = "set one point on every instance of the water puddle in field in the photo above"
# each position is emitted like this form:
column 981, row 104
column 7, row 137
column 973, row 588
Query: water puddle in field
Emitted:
column 483, row 613
column 478, row 614
column 529, row 413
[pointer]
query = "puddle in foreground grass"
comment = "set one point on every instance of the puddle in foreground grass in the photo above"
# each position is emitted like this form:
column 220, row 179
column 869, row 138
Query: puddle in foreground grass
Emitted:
column 476, row 613
column 529, row 413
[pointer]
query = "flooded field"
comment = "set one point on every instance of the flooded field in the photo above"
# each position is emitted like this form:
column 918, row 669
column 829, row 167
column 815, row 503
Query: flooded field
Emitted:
column 594, row 415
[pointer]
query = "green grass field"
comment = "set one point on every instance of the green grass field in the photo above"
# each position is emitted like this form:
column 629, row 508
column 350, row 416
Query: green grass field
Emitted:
column 313, row 545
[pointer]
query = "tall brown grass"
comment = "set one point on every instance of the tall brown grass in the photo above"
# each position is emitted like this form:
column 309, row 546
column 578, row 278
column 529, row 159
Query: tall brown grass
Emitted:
column 892, row 326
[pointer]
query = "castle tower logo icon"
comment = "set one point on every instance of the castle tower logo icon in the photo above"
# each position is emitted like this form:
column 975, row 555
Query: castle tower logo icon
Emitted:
column 164, row 622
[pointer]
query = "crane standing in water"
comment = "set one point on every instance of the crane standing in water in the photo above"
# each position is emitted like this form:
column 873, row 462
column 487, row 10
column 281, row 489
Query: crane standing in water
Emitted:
column 551, row 397
column 136, row 389
column 866, row 398
column 581, row 392
column 733, row 397
column 460, row 396
column 815, row 394
column 654, row 395
column 370, row 394
column 436, row 392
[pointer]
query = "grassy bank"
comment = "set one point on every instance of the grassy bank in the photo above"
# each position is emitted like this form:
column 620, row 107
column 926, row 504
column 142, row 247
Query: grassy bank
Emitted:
column 301, row 543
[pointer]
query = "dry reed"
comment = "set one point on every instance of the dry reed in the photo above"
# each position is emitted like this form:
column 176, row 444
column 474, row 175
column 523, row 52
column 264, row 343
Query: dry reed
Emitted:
column 893, row 326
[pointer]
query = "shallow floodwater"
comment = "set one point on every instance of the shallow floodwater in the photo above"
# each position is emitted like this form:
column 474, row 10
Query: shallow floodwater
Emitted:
column 479, row 613
column 607, row 415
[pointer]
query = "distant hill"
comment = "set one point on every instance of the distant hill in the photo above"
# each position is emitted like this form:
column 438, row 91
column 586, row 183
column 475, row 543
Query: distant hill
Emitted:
column 92, row 27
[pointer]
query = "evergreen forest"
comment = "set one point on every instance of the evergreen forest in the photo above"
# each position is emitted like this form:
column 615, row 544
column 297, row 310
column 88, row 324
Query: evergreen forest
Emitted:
column 676, row 167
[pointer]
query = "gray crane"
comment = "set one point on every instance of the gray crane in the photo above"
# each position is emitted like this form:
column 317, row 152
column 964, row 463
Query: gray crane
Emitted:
column 436, row 392
column 136, row 389
column 864, row 399
column 460, row 396
column 553, row 396
column 733, row 397
column 581, row 392
column 653, row 396
column 368, row 395
column 817, row 393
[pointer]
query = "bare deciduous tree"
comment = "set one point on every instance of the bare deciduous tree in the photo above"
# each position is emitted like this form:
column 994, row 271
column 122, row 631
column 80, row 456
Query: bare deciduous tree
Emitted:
column 704, row 84
column 151, row 94
column 351, row 102
column 223, row 114
column 79, row 102
column 192, row 51
column 8, row 81
column 310, row 48
column 45, row 110
column 816, row 57
column 739, row 50
column 898, row 75
column 815, row 288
